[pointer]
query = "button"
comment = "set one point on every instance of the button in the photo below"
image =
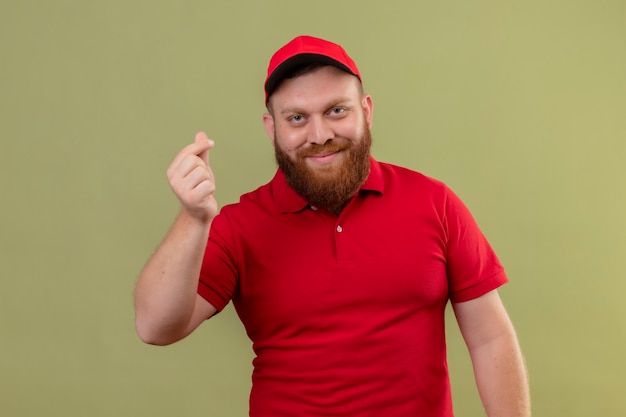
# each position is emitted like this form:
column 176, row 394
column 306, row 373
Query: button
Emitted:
column 339, row 229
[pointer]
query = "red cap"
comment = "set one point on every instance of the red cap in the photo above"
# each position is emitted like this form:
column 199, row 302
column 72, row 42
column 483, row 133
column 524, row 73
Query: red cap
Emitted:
column 306, row 50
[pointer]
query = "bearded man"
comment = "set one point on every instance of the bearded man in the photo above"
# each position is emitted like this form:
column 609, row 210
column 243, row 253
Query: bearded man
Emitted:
column 340, row 267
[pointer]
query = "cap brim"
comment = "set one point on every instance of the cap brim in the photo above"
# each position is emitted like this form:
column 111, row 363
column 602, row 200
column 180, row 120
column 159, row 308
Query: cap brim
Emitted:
column 294, row 62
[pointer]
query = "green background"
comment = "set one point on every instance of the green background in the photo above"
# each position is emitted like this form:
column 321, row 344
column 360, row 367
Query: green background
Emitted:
column 518, row 106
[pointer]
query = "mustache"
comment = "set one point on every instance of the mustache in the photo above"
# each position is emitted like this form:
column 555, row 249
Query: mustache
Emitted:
column 329, row 147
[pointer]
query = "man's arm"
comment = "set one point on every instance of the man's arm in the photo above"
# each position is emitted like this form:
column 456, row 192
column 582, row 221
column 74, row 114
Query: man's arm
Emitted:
column 167, row 306
column 496, row 356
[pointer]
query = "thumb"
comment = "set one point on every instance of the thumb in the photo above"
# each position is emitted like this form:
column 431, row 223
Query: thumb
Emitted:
column 201, row 138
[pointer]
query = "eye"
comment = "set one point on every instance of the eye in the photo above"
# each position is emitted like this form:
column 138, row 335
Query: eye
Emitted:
column 337, row 110
column 296, row 118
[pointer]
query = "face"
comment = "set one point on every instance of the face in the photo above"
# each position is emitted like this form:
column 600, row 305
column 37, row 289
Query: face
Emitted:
column 320, row 128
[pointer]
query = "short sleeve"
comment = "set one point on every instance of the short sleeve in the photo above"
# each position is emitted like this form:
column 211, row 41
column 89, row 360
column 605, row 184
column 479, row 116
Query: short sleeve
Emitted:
column 472, row 266
column 218, row 274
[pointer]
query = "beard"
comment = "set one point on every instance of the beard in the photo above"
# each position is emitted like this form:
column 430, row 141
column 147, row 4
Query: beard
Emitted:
column 329, row 187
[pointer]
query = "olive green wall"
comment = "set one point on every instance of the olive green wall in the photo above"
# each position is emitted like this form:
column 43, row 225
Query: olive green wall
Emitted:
column 518, row 106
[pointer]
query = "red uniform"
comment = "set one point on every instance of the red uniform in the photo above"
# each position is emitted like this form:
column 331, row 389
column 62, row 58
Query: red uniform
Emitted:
column 346, row 313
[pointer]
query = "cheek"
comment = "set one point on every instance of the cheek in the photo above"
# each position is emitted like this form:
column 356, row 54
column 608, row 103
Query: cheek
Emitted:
column 289, row 139
column 352, row 130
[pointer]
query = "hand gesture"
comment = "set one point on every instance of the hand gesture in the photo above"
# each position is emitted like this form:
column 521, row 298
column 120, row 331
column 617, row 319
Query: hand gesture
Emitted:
column 191, row 179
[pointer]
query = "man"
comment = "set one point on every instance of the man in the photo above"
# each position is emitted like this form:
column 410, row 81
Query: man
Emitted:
column 340, row 268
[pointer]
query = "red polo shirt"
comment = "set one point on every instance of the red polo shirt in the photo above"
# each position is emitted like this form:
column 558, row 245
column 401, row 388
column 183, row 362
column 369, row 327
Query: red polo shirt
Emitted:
column 346, row 313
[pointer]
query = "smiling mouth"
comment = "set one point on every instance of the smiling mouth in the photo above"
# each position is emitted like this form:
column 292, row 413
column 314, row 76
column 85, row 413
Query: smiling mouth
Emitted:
column 324, row 158
column 324, row 154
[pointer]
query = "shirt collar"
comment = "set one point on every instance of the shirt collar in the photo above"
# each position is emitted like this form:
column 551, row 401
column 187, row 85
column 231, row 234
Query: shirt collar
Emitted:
column 288, row 201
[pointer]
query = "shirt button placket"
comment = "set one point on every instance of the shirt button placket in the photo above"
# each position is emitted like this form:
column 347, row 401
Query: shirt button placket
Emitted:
column 338, row 247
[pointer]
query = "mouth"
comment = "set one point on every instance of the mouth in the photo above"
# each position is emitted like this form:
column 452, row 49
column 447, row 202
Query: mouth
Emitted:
column 324, row 158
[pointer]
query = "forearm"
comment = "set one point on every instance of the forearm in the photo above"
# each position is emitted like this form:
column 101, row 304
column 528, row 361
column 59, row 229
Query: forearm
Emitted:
column 501, row 377
column 166, row 290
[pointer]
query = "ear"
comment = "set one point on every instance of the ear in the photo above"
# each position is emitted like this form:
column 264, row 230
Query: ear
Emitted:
column 268, row 122
column 368, row 109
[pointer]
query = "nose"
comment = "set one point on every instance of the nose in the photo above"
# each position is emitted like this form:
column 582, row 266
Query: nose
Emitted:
column 320, row 131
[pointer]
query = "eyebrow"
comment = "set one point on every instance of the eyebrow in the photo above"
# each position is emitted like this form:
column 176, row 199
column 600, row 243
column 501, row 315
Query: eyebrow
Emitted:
column 334, row 103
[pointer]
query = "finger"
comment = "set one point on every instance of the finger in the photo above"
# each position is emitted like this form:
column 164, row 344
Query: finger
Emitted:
column 201, row 145
column 199, row 178
column 202, row 140
column 197, row 175
column 186, row 166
